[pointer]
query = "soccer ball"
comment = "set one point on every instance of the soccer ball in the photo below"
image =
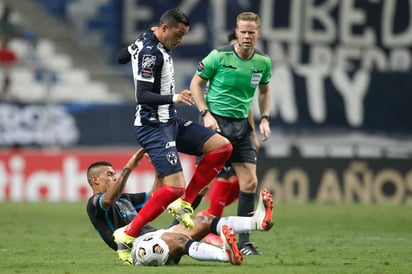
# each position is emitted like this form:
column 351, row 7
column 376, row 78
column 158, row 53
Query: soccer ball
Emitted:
column 151, row 251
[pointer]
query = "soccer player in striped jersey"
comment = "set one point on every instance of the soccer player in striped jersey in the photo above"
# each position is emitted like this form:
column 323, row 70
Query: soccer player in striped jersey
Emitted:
column 162, row 133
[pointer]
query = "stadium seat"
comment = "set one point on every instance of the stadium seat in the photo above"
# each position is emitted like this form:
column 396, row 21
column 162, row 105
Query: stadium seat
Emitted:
column 74, row 76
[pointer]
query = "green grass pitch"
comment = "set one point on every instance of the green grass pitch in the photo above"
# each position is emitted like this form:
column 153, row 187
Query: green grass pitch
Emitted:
column 308, row 238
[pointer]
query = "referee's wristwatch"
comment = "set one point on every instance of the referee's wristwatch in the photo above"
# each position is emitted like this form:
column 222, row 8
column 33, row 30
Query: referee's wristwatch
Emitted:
column 204, row 112
column 265, row 117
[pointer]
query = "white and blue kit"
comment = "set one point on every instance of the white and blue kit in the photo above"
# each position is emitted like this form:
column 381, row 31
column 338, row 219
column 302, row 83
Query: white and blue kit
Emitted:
column 157, row 126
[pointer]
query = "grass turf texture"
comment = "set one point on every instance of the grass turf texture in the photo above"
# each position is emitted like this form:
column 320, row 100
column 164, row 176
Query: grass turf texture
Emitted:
column 310, row 238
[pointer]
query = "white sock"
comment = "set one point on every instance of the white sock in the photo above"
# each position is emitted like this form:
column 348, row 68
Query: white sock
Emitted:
column 205, row 252
column 237, row 223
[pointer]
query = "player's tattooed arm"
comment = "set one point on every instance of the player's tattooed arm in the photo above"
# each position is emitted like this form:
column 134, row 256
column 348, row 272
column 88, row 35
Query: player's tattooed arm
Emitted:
column 113, row 194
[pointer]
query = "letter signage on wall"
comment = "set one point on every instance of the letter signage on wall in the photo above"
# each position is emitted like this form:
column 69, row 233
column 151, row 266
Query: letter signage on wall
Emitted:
column 54, row 175
column 336, row 180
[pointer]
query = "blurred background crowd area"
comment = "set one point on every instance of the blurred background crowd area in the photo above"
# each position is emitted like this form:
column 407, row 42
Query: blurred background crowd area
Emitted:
column 341, row 71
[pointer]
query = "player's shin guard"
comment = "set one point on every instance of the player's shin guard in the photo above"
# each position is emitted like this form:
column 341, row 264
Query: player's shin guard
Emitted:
column 207, row 169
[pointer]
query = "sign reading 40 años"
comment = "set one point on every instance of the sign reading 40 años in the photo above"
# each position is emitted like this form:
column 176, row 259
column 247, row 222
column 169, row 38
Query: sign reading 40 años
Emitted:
column 299, row 180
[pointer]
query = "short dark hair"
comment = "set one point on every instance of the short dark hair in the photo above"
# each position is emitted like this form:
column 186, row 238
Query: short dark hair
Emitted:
column 93, row 167
column 173, row 17
column 231, row 36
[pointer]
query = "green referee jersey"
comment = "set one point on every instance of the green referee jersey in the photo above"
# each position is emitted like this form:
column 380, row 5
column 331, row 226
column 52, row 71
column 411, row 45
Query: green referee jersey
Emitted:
column 232, row 80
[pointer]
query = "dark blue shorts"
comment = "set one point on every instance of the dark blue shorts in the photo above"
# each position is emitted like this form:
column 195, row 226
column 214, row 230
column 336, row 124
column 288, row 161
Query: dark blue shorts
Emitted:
column 163, row 142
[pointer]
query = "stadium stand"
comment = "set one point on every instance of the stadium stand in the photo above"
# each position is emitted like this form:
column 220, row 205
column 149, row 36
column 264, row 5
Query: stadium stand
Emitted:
column 53, row 63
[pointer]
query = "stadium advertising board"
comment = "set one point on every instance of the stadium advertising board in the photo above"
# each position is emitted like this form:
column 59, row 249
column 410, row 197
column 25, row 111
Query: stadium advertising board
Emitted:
column 71, row 125
column 38, row 125
column 336, row 180
column 54, row 176
column 47, row 175
column 67, row 125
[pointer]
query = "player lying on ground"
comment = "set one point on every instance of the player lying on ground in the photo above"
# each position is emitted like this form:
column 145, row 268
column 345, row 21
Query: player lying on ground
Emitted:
column 109, row 209
column 178, row 241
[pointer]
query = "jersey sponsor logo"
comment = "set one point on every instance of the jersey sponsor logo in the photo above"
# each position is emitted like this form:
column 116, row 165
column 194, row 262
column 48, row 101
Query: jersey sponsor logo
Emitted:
column 147, row 73
column 200, row 66
column 188, row 123
column 172, row 158
column 170, row 144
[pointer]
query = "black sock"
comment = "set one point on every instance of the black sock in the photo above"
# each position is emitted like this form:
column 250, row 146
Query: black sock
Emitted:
column 197, row 201
column 245, row 207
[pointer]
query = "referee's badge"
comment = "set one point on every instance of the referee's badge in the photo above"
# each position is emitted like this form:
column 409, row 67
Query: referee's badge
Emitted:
column 255, row 79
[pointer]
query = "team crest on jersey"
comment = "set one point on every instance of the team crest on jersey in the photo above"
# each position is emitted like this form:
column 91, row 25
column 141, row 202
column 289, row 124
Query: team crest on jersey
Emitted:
column 200, row 66
column 148, row 62
column 172, row 158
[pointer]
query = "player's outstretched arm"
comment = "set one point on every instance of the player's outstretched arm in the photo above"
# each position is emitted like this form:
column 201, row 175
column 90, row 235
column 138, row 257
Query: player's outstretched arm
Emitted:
column 114, row 192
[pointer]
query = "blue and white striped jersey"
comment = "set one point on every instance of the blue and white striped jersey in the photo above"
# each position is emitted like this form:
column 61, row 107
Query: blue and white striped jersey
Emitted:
column 152, row 67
